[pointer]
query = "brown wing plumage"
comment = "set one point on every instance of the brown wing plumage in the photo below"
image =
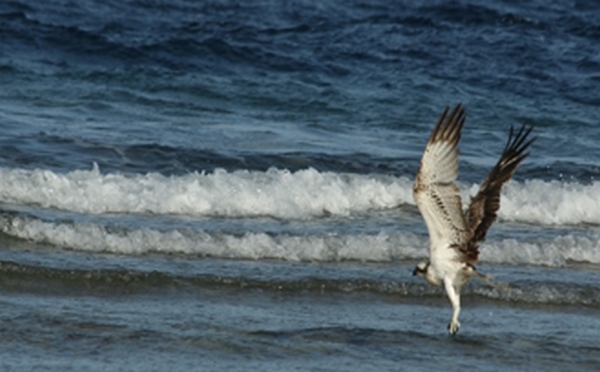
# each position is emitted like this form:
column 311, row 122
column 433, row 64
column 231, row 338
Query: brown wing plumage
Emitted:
column 482, row 211
column 438, row 198
column 448, row 129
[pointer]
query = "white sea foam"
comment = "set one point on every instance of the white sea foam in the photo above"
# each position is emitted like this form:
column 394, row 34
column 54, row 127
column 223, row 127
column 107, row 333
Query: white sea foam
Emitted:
column 551, row 203
column 382, row 247
column 278, row 193
column 98, row 238
column 556, row 252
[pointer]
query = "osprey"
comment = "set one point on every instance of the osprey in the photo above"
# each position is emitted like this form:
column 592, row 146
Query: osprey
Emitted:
column 455, row 234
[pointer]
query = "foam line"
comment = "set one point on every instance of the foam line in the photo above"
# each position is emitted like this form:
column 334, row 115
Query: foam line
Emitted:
column 382, row 247
column 276, row 193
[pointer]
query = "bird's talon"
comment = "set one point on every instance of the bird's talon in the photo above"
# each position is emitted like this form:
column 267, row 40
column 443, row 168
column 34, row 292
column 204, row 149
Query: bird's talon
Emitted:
column 453, row 328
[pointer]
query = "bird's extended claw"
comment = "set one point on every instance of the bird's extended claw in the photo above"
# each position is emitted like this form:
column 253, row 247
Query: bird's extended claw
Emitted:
column 453, row 328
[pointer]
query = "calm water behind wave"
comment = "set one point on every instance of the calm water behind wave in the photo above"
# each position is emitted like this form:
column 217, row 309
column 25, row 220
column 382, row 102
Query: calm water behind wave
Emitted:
column 228, row 186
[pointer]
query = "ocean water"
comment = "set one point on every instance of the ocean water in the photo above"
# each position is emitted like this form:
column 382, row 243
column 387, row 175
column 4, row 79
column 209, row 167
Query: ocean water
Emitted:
column 221, row 185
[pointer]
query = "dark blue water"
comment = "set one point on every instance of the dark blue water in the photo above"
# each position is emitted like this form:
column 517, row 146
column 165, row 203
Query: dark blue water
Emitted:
column 223, row 185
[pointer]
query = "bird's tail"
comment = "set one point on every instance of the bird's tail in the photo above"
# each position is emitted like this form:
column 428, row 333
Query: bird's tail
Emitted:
column 489, row 280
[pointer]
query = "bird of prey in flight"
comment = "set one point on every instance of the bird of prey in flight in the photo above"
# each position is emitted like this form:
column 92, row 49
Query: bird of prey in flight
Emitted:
column 455, row 234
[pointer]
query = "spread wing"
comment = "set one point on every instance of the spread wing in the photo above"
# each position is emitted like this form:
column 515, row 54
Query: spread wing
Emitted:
column 484, row 206
column 435, row 193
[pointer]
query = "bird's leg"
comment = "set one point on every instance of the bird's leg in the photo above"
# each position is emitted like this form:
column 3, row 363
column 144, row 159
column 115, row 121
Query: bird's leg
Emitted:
column 454, row 297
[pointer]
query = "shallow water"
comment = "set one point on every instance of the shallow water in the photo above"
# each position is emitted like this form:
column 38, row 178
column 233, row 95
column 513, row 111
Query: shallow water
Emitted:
column 155, row 321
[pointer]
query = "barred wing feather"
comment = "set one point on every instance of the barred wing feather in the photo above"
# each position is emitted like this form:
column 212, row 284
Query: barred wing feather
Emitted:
column 435, row 193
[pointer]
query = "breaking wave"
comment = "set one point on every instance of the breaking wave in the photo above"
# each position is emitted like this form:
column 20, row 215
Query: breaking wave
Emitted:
column 381, row 247
column 276, row 193
column 302, row 194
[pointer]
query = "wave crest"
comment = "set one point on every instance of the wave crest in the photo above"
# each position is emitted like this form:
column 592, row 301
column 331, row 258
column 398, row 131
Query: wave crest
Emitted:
column 277, row 193
column 381, row 247
column 302, row 194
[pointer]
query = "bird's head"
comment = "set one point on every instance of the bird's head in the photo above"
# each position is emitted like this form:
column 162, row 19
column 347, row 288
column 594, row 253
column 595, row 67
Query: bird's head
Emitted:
column 423, row 270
